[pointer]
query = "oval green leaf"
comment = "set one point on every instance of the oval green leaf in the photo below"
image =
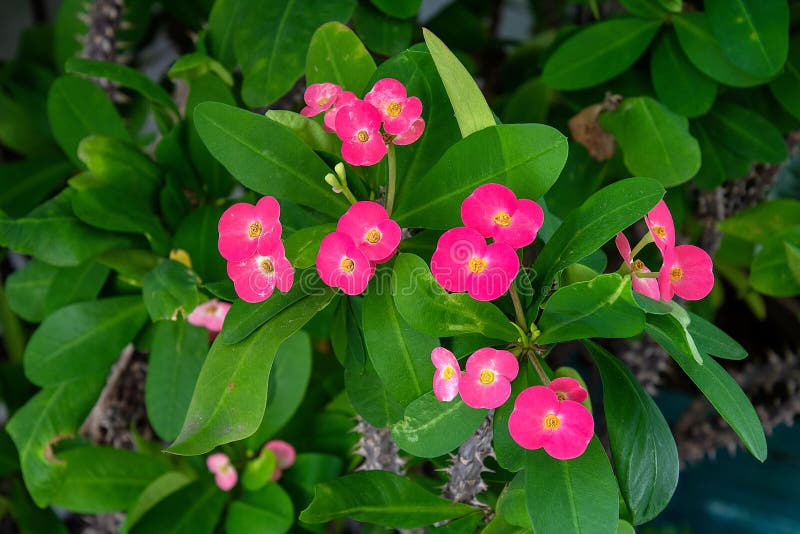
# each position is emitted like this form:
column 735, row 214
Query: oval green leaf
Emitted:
column 337, row 56
column 747, row 133
column 678, row 83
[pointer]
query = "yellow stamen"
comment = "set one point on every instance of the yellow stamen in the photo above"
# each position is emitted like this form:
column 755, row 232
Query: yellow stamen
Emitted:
column 394, row 109
column 211, row 310
column 348, row 265
column 551, row 422
column 487, row 376
column 561, row 395
column 448, row 373
column 660, row 232
column 638, row 265
column 362, row 136
column 675, row 274
column 373, row 236
column 477, row 265
column 255, row 229
column 267, row 266
column 324, row 100
column 502, row 218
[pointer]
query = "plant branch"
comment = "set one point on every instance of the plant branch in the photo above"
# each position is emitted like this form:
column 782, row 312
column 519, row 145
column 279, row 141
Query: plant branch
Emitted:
column 391, row 185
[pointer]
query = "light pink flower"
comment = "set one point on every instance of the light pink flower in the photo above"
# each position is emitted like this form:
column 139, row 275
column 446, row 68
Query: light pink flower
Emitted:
column 494, row 211
column 210, row 314
column 319, row 97
column 659, row 221
column 567, row 388
column 687, row 271
column 646, row 286
column 447, row 375
column 284, row 456
column 340, row 263
column 487, row 381
column 370, row 227
column 242, row 227
column 464, row 262
column 329, row 120
column 413, row 133
column 539, row 419
column 224, row 473
column 399, row 111
column 256, row 277
column 358, row 126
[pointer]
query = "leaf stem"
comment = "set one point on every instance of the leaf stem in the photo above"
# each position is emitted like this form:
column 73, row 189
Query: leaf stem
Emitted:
column 520, row 312
column 392, row 161
column 646, row 275
column 538, row 366
column 646, row 240
column 13, row 335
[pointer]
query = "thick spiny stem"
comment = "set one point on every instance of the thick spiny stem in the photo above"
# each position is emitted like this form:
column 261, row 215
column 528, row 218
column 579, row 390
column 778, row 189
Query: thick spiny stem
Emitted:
column 465, row 481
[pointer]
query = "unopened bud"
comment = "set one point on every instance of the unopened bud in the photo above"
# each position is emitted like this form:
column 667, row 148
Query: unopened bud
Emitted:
column 332, row 181
column 339, row 168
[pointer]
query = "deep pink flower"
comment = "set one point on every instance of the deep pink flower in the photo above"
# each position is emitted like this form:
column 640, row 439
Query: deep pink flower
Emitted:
column 487, row 381
column 413, row 133
column 646, row 286
column 687, row 271
column 539, row 419
column 284, row 456
column 256, row 277
column 329, row 120
column 494, row 211
column 399, row 111
column 659, row 221
column 567, row 388
column 340, row 263
column 224, row 473
column 319, row 97
column 358, row 126
column 370, row 227
column 210, row 314
column 243, row 226
column 448, row 373
column 464, row 262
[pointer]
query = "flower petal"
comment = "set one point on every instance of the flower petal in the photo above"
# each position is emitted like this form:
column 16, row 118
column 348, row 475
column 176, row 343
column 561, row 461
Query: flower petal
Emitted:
column 698, row 272
column 476, row 394
column 235, row 243
column 413, row 133
column 569, row 388
column 480, row 207
column 659, row 221
column 526, row 423
column 284, row 453
column 623, row 247
column 572, row 437
column 502, row 266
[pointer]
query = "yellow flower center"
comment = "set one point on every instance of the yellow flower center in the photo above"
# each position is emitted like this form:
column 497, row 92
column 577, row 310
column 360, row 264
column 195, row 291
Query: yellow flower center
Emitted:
column 638, row 265
column 211, row 310
column 487, row 376
column 224, row 468
column 675, row 274
column 348, row 265
column 394, row 109
column 362, row 136
column 324, row 100
column 561, row 395
column 477, row 265
column 502, row 218
column 660, row 232
column 373, row 236
column 267, row 266
column 551, row 422
column 448, row 373
column 255, row 229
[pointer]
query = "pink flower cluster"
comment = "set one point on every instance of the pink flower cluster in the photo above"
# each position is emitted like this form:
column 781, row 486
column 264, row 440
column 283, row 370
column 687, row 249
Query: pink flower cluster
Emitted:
column 486, row 382
column 686, row 270
column 358, row 122
column 250, row 239
column 364, row 236
column 464, row 262
column 226, row 476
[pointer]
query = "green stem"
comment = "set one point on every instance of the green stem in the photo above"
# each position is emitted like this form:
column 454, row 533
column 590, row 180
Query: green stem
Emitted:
column 646, row 240
column 348, row 195
column 538, row 366
column 518, row 307
column 392, row 161
column 645, row 275
column 13, row 335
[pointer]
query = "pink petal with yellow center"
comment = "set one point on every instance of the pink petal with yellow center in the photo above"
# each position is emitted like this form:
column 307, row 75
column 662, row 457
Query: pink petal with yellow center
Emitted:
column 526, row 423
column 502, row 266
column 445, row 388
column 369, row 219
column 574, row 433
column 216, row 461
column 525, row 224
column 210, row 315
column 450, row 261
column 329, row 120
column 411, row 110
column 249, row 280
column 568, row 388
column 501, row 362
column 384, row 92
column 480, row 207
column 336, row 248
column 659, row 221
column 478, row 394
column 319, row 97
column 355, row 117
column 697, row 269
column 364, row 153
column 226, row 480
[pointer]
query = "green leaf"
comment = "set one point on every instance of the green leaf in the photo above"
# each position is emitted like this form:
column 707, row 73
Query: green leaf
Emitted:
column 382, row 34
column 747, row 133
column 178, row 352
column 705, row 52
column 472, row 111
column 28, row 517
column 655, row 141
column 225, row 19
column 762, row 222
column 259, row 470
column 713, row 381
column 18, row 129
column 719, row 163
column 154, row 493
column 77, row 108
column 231, row 392
column 588, row 227
column 27, row 288
column 678, row 83
column 771, row 272
column 308, row 130
column 571, row 496
column 431, row 427
column 303, row 245
column 170, row 291
column 82, row 339
column 511, row 503
column 26, row 183
column 599, row 52
column 104, row 479
column 198, row 235
column 266, row 157
column 602, row 307
column 648, row 9
column 120, row 163
column 381, row 498
column 426, row 306
column 368, row 394
column 714, row 341
column 194, row 509
column 401, row 9
column 336, row 55
column 197, row 65
column 525, row 157
column 268, row 511
column 510, row 455
column 642, row 445
column 754, row 34
column 786, row 87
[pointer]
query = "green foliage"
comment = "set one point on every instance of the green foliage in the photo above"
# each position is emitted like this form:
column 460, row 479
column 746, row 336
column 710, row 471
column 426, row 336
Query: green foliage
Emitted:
column 336, row 55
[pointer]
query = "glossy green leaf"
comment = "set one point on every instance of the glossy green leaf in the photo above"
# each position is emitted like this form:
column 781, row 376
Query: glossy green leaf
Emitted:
column 194, row 509
column 571, row 496
column 398, row 8
column 719, row 162
column 29, row 517
column 155, row 492
column 426, row 306
column 266, row 157
column 747, row 133
column 308, row 130
column 369, row 396
column 786, row 87
column 25, row 183
column 258, row 471
column 753, row 34
column 19, row 131
column 198, row 235
column 27, row 288
column 303, row 245
column 381, row 498
column 120, row 163
column 82, row 339
column 648, row 9
column 655, row 141
column 268, row 511
column 431, row 427
column 171, row 291
column 472, row 111
column 509, row 454
column 511, row 503
column 382, row 34
column 763, row 221
column 678, row 83
column 225, row 19
column 336, row 55
column 714, row 341
column 525, row 157
column 771, row 272
column 644, row 451
column 196, row 65
column 713, row 381
column 599, row 52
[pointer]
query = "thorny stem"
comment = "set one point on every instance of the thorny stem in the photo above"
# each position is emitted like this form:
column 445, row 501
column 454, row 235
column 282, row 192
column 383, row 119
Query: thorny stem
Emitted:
column 518, row 306
column 392, row 161
column 646, row 240
column 538, row 366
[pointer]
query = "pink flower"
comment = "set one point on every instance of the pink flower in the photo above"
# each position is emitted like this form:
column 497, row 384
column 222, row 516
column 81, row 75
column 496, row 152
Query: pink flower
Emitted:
column 539, row 419
column 256, row 277
column 448, row 373
column 494, row 211
column 464, row 262
column 370, row 227
column 340, row 263
column 487, row 382
column 358, row 126
column 659, row 221
column 284, row 456
column 243, row 226
column 687, row 271
column 399, row 111
column 329, row 120
column 567, row 388
column 224, row 473
column 319, row 97
column 646, row 286
column 413, row 133
column 210, row 314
